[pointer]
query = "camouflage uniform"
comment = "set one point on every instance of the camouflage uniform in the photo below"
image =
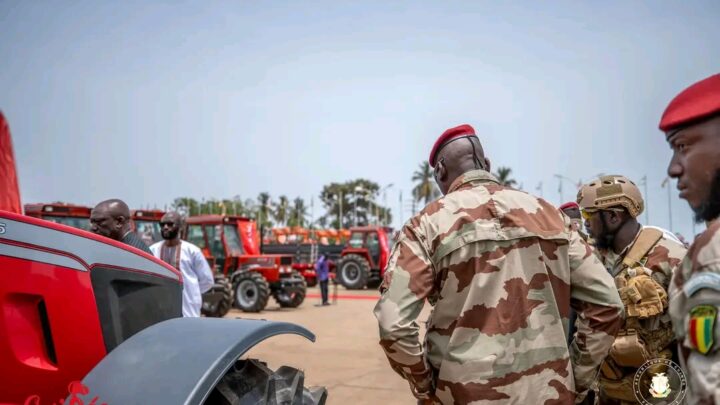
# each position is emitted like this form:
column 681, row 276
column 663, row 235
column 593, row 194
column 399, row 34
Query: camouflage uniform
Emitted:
column 501, row 269
column 694, row 304
column 646, row 318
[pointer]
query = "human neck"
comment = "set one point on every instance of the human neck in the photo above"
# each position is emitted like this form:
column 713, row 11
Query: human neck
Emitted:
column 172, row 242
column 625, row 235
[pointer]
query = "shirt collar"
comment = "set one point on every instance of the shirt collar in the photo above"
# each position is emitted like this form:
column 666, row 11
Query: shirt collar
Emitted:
column 473, row 175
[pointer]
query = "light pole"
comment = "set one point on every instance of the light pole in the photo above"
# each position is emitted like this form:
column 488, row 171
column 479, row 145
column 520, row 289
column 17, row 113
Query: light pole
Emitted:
column 384, row 194
column 647, row 205
column 340, row 208
column 357, row 190
column 560, row 178
column 666, row 183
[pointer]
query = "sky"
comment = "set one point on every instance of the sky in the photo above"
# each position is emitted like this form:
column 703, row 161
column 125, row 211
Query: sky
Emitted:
column 148, row 101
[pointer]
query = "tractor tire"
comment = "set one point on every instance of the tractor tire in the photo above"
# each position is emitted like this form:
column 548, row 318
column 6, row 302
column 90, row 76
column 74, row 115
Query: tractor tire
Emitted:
column 251, row 291
column 293, row 300
column 218, row 308
column 252, row 382
column 353, row 272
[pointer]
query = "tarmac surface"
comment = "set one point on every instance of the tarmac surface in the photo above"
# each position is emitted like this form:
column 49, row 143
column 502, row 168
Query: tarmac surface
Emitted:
column 346, row 357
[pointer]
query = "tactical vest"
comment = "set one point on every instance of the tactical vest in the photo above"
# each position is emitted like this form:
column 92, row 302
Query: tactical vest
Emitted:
column 643, row 336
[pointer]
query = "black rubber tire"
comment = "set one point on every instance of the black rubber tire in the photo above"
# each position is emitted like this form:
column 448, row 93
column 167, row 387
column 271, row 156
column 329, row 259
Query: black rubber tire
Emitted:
column 293, row 300
column 252, row 382
column 353, row 272
column 222, row 285
column 251, row 291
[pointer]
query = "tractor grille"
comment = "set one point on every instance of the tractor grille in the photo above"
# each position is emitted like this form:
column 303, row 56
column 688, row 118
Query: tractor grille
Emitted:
column 286, row 260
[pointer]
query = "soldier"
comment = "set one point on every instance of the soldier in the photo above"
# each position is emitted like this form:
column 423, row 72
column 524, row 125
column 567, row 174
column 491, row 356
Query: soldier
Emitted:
column 691, row 124
column 642, row 261
column 501, row 269
column 572, row 210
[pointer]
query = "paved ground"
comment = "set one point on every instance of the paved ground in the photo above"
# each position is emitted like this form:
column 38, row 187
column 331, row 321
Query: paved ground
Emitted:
column 346, row 357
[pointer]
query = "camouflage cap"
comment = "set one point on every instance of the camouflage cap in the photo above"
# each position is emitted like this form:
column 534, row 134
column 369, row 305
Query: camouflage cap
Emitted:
column 611, row 191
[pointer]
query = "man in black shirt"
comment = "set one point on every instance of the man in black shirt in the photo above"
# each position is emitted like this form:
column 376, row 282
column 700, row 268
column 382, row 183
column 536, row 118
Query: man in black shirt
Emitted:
column 111, row 218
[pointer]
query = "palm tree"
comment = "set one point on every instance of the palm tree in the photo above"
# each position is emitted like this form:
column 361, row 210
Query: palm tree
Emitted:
column 425, row 188
column 298, row 213
column 281, row 211
column 264, row 208
column 503, row 175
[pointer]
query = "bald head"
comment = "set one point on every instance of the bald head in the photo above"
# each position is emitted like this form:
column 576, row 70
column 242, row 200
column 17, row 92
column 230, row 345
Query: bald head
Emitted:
column 170, row 226
column 110, row 218
column 457, row 157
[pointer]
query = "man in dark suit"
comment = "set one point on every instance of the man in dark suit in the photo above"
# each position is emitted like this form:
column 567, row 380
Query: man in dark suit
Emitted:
column 111, row 218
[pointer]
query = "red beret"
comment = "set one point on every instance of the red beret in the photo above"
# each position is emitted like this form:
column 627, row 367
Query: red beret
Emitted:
column 570, row 204
column 701, row 100
column 449, row 135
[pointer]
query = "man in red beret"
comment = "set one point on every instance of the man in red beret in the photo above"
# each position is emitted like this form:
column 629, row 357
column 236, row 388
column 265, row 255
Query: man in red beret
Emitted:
column 691, row 124
column 502, row 269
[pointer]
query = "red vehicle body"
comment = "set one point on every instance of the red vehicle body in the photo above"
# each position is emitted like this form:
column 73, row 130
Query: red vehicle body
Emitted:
column 364, row 257
column 10, row 197
column 77, row 216
column 52, row 336
column 248, row 231
column 253, row 276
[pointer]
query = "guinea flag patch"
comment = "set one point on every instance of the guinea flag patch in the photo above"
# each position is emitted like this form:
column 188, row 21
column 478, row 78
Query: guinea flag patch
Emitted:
column 702, row 327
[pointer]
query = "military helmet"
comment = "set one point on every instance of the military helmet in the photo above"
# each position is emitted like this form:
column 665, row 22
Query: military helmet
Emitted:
column 611, row 191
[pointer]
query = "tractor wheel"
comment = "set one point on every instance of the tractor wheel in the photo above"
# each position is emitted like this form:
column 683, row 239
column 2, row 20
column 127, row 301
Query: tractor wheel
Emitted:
column 291, row 300
column 214, row 306
column 251, row 291
column 353, row 272
column 252, row 382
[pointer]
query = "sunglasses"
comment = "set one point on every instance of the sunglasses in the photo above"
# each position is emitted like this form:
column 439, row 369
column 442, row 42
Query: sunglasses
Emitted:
column 589, row 212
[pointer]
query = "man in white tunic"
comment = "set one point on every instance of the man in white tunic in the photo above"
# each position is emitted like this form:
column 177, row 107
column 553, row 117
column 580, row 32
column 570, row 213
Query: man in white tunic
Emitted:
column 186, row 257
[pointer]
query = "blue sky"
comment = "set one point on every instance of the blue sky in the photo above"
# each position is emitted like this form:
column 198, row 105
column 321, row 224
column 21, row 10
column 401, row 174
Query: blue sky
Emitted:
column 147, row 101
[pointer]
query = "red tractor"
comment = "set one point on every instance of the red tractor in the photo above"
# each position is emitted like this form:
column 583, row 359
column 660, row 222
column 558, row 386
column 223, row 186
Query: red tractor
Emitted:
column 254, row 277
column 76, row 216
column 146, row 224
column 81, row 312
column 77, row 306
column 364, row 258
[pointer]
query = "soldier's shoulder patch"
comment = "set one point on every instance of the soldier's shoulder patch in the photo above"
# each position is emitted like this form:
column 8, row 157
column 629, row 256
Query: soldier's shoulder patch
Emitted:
column 701, row 328
column 702, row 280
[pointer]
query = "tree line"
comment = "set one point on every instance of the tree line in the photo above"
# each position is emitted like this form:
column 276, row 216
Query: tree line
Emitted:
column 352, row 203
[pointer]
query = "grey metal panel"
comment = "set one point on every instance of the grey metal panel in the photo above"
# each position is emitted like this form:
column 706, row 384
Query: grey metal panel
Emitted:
column 178, row 361
column 88, row 250
column 40, row 256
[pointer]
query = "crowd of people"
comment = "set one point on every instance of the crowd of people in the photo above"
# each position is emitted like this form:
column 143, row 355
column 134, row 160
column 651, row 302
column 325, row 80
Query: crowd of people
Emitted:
column 537, row 304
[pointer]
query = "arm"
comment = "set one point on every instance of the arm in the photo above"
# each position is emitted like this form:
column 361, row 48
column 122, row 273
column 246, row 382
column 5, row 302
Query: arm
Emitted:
column 599, row 310
column 702, row 331
column 408, row 280
column 202, row 270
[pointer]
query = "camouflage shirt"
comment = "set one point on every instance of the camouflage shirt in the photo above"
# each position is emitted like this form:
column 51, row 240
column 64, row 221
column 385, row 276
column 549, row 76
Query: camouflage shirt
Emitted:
column 647, row 317
column 694, row 304
column 502, row 270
